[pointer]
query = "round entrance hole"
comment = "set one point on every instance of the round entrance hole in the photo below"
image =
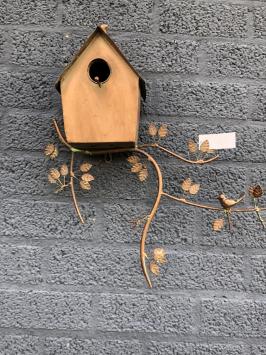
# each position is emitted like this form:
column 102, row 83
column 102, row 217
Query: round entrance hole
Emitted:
column 99, row 71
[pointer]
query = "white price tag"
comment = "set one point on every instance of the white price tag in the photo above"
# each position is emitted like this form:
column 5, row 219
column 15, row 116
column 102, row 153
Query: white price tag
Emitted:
column 220, row 140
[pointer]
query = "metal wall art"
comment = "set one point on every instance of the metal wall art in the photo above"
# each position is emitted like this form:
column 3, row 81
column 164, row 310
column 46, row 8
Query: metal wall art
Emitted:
column 101, row 94
column 64, row 177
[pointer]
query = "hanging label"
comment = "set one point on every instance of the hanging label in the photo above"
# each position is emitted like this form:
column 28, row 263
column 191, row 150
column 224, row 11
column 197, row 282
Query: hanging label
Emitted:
column 220, row 140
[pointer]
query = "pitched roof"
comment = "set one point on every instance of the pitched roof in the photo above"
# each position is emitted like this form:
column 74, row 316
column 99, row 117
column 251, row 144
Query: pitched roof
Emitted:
column 100, row 30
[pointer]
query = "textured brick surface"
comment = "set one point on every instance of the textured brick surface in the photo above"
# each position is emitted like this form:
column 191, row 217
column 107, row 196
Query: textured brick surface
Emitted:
column 121, row 15
column 258, row 270
column 206, row 100
column 28, row 345
column 156, row 348
column 28, row 12
column 38, row 220
column 20, row 264
column 51, row 310
column 68, row 288
column 69, row 346
column 233, row 318
column 203, row 18
column 153, row 314
column 228, row 59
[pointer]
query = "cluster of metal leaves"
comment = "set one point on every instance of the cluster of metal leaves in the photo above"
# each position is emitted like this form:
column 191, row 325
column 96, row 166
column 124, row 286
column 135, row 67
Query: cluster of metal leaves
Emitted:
column 137, row 167
column 204, row 147
column 157, row 132
column 158, row 258
column 61, row 176
column 86, row 177
column 189, row 187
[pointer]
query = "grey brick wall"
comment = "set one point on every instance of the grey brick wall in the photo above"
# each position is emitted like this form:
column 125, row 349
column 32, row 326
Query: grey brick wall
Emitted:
column 72, row 289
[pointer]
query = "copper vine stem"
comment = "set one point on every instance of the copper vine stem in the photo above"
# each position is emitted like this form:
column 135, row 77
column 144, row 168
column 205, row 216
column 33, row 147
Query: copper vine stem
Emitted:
column 151, row 215
column 200, row 161
column 73, row 189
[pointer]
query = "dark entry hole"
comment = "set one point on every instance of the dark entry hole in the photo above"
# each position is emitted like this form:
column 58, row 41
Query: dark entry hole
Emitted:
column 99, row 70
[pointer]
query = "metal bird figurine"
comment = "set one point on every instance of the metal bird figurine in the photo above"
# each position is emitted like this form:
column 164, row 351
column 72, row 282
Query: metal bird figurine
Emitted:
column 227, row 204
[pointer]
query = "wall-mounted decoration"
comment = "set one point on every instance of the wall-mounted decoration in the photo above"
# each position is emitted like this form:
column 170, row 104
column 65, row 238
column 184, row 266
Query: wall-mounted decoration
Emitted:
column 101, row 103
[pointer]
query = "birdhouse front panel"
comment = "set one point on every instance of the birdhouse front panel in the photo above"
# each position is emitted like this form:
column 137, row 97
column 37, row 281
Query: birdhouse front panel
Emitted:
column 100, row 97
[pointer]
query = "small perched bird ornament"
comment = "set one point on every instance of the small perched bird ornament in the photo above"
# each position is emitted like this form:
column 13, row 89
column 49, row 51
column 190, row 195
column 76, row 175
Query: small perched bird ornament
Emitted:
column 227, row 204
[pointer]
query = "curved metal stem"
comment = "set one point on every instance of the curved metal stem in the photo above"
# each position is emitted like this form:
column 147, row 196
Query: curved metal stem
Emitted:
column 73, row 189
column 200, row 161
column 209, row 207
column 151, row 215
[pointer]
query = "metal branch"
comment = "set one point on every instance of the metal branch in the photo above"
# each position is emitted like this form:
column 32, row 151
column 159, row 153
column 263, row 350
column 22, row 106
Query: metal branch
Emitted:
column 73, row 189
column 209, row 207
column 199, row 161
column 151, row 215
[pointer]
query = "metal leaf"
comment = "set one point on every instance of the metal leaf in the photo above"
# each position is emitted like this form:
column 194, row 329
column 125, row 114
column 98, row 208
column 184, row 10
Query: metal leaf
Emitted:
column 218, row 224
column 54, row 173
column 205, row 146
column 87, row 177
column 49, row 149
column 256, row 191
column 85, row 167
column 192, row 146
column 152, row 130
column 154, row 268
column 51, row 179
column 85, row 185
column 194, row 189
column 159, row 255
column 136, row 168
column 163, row 131
column 64, row 170
column 186, row 184
column 133, row 159
column 143, row 174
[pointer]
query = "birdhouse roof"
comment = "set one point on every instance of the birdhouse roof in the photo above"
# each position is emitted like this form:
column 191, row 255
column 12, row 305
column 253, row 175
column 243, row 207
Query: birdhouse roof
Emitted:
column 99, row 30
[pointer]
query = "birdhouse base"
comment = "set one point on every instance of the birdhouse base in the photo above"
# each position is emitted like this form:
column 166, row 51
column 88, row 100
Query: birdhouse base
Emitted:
column 103, row 146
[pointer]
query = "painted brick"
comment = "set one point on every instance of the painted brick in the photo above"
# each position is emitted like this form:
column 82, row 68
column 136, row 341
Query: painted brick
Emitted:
column 120, row 15
column 17, row 345
column 231, row 60
column 247, row 231
column 75, row 346
column 200, row 99
column 149, row 313
column 51, row 310
column 146, row 54
column 202, row 271
column 20, row 264
column 258, row 109
column 203, row 18
column 260, row 21
column 23, row 129
column 28, row 12
column 258, row 270
column 45, row 220
column 231, row 318
column 172, row 224
column 38, row 48
column 73, row 265
column 257, row 349
column 28, row 89
column 156, row 348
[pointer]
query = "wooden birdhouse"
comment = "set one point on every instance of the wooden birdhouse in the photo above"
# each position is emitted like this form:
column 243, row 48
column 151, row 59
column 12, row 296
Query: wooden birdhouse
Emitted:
column 101, row 94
